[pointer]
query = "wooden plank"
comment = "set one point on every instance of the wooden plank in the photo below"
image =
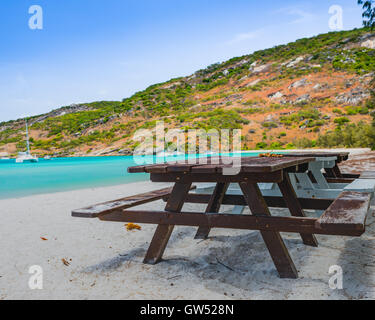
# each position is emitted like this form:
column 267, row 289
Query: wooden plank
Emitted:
column 295, row 208
column 147, row 167
column 350, row 175
column 136, row 169
column 337, row 171
column 273, row 164
column 103, row 208
column 275, row 244
column 216, row 177
column 348, row 213
column 367, row 175
column 185, row 165
column 226, row 221
column 330, row 173
column 213, row 206
column 163, row 231
column 248, row 164
column 272, row 202
column 340, row 180
column 323, row 154
column 361, row 185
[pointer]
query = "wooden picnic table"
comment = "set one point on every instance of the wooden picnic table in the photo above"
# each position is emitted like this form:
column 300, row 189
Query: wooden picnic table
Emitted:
column 333, row 172
column 253, row 170
column 344, row 216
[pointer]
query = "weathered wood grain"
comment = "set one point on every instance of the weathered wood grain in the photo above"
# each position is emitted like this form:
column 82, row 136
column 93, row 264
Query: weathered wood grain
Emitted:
column 163, row 232
column 214, row 205
column 102, row 208
column 216, row 165
column 275, row 244
column 295, row 208
column 227, row 221
column 347, row 212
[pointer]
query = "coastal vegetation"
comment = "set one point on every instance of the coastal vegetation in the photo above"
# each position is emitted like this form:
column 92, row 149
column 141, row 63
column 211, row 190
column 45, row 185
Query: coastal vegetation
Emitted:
column 314, row 92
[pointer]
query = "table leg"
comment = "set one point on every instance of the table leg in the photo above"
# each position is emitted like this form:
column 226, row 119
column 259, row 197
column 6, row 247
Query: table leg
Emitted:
column 275, row 244
column 330, row 173
column 315, row 169
column 213, row 207
column 295, row 208
column 163, row 232
column 337, row 171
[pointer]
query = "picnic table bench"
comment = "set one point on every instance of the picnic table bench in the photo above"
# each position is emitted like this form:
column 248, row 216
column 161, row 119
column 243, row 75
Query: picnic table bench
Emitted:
column 345, row 215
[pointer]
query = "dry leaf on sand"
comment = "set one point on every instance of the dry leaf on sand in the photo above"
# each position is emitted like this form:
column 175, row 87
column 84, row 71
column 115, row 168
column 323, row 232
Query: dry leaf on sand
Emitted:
column 132, row 226
column 65, row 262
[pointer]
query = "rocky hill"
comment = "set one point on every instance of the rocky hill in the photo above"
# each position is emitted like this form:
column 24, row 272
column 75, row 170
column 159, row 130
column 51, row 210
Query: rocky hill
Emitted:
column 296, row 95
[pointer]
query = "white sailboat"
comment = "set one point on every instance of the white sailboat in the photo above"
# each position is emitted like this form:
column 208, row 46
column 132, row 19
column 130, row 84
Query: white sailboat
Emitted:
column 169, row 154
column 26, row 156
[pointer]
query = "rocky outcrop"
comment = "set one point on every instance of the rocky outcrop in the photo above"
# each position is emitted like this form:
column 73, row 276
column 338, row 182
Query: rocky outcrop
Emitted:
column 253, row 83
column 125, row 152
column 298, row 84
column 3, row 128
column 370, row 43
column 275, row 95
column 261, row 68
column 303, row 98
column 293, row 63
column 269, row 118
column 354, row 97
column 172, row 85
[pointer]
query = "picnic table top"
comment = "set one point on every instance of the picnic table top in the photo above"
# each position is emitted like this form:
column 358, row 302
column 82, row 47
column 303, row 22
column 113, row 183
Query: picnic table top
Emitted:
column 341, row 155
column 217, row 164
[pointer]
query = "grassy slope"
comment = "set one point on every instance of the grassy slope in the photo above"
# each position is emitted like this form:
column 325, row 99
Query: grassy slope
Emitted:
column 239, row 93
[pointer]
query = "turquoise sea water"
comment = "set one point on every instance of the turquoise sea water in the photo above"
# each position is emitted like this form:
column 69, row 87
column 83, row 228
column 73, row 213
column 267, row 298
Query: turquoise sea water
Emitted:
column 61, row 174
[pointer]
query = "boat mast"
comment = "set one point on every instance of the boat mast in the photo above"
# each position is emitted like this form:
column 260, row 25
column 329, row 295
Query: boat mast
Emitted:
column 27, row 138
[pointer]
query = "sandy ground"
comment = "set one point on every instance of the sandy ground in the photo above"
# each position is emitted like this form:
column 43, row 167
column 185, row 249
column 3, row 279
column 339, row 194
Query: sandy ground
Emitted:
column 106, row 260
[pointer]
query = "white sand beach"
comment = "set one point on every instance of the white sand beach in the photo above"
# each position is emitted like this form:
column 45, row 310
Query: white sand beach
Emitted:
column 105, row 260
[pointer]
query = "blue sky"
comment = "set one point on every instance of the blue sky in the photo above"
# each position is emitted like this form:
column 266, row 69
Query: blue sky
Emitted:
column 91, row 50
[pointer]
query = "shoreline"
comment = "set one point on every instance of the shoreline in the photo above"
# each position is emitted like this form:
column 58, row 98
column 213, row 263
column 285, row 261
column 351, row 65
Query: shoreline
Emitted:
column 352, row 150
column 37, row 184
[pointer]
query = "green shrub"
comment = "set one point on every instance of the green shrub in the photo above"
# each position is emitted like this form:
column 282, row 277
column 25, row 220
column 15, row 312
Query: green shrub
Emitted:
column 350, row 111
column 305, row 143
column 359, row 135
column 337, row 111
column 261, row 145
column 270, row 124
column 276, row 145
column 340, row 121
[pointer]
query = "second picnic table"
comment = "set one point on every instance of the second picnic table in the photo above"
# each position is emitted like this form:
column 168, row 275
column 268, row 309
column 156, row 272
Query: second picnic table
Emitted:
column 332, row 171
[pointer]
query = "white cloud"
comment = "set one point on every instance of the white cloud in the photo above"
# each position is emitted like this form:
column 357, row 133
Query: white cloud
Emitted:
column 301, row 16
column 240, row 37
column 103, row 92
